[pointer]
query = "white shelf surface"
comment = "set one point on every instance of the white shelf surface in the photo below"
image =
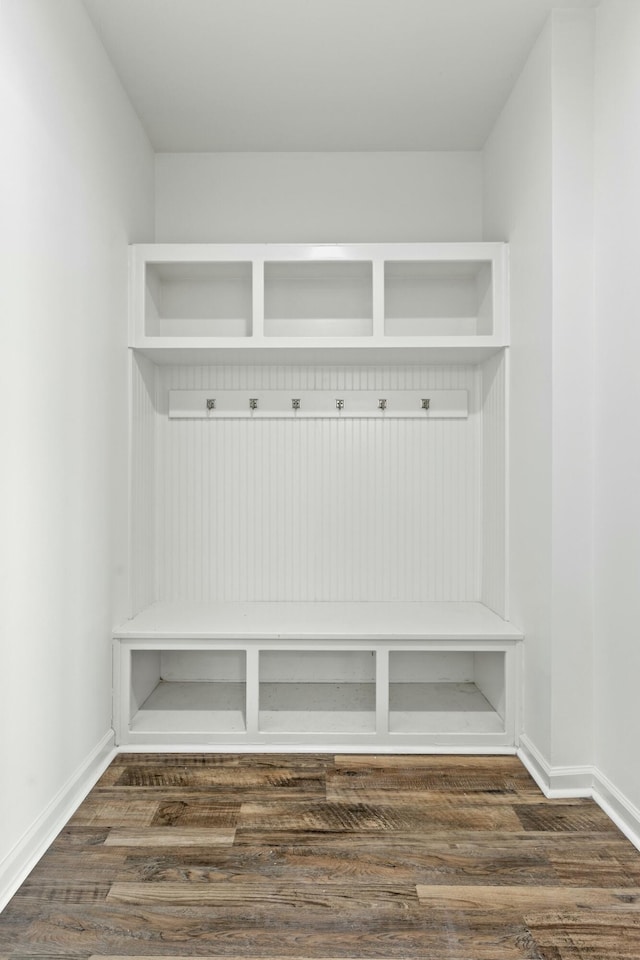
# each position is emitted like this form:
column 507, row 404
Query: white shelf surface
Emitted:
column 192, row 707
column 206, row 351
column 317, row 708
column 317, row 621
column 441, row 708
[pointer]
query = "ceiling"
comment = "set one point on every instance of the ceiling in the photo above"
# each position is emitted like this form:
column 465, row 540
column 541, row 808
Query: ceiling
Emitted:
column 319, row 75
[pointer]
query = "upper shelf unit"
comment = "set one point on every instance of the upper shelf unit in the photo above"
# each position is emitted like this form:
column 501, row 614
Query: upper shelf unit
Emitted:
column 434, row 302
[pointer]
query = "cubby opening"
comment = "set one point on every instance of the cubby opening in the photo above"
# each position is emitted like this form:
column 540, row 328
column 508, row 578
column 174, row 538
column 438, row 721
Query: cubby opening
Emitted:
column 317, row 692
column 446, row 692
column 188, row 692
column 439, row 298
column 318, row 299
column 198, row 299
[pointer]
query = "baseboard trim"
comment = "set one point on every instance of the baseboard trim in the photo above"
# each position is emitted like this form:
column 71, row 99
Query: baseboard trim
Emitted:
column 535, row 763
column 586, row 781
column 623, row 813
column 331, row 748
column 21, row 860
column 555, row 782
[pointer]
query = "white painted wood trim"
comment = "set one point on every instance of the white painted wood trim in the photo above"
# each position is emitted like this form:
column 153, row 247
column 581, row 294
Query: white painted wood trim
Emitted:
column 378, row 298
column 131, row 574
column 582, row 781
column 624, row 814
column 500, row 282
column 382, row 692
column 30, row 848
column 257, row 281
column 507, row 479
column 164, row 730
column 318, row 404
column 339, row 621
column 252, row 715
column 200, row 351
column 136, row 295
column 555, row 782
column 328, row 746
column 121, row 692
column 208, row 252
column 376, row 254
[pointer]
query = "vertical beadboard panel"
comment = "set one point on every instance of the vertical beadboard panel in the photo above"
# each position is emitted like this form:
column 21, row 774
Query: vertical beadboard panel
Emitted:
column 494, row 484
column 143, row 491
column 319, row 509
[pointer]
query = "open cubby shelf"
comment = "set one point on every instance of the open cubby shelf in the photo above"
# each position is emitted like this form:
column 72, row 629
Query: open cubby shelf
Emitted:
column 272, row 302
column 368, row 676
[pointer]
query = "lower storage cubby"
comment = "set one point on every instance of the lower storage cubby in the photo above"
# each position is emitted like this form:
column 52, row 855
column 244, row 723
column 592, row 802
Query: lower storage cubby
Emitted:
column 446, row 693
column 347, row 677
column 324, row 691
column 188, row 692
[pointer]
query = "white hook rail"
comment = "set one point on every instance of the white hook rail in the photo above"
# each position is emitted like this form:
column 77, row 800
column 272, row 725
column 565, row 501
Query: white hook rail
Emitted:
column 311, row 404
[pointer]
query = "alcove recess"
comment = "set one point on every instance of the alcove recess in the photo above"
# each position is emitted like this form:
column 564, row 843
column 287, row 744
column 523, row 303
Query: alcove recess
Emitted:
column 318, row 499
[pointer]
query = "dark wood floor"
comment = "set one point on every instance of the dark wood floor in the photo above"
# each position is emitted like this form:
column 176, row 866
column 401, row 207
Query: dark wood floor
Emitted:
column 437, row 858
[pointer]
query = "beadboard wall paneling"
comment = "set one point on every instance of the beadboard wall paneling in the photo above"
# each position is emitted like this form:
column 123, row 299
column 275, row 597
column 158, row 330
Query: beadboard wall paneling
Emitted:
column 318, row 510
column 143, row 590
column 494, row 487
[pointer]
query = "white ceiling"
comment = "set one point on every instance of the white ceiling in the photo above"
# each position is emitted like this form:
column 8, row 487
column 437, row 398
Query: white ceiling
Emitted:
column 264, row 75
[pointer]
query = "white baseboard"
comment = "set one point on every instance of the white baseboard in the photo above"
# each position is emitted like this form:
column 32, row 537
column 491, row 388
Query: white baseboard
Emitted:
column 624, row 814
column 330, row 747
column 21, row 860
column 535, row 764
column 585, row 781
column 555, row 782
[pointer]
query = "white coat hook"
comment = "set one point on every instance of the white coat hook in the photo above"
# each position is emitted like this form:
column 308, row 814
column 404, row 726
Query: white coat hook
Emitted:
column 339, row 404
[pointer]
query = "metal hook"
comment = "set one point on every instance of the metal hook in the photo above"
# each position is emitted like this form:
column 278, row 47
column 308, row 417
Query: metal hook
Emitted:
column 382, row 404
column 339, row 404
column 211, row 404
column 426, row 404
column 253, row 403
column 295, row 404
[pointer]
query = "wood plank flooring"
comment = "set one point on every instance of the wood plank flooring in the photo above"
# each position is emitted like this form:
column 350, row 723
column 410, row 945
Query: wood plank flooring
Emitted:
column 310, row 857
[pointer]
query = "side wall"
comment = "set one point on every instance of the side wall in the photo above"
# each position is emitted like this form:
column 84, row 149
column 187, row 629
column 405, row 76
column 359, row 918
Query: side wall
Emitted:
column 617, row 397
column 572, row 389
column 318, row 197
column 539, row 196
column 77, row 177
column 517, row 207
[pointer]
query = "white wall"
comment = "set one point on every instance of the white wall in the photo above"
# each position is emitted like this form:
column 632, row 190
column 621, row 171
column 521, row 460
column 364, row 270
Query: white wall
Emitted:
column 572, row 388
column 77, row 179
column 517, row 208
column 617, row 396
column 320, row 197
column 538, row 195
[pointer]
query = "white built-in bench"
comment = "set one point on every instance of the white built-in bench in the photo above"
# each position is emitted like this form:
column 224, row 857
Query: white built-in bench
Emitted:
column 362, row 676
